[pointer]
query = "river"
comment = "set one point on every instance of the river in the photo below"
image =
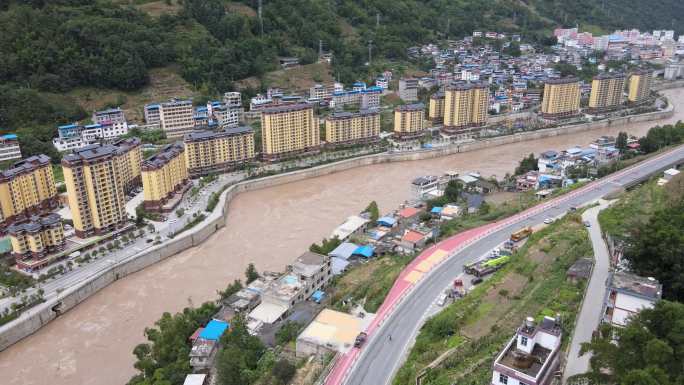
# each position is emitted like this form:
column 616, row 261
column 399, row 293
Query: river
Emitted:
column 92, row 343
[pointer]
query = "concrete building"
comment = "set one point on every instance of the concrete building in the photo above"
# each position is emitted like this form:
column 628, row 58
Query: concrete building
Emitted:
column 561, row 98
column 74, row 136
column 9, row 147
column 26, row 189
column 112, row 122
column 152, row 116
column 232, row 99
column 176, row 117
column 321, row 91
column 165, row 178
column 408, row 89
column 363, row 98
column 465, row 106
column 627, row 295
column 639, row 86
column 225, row 116
column 313, row 271
column 532, row 355
column 97, row 178
column 330, row 332
column 436, row 107
column 218, row 151
column 409, row 120
column 353, row 127
column 288, row 130
column 607, row 91
column 34, row 239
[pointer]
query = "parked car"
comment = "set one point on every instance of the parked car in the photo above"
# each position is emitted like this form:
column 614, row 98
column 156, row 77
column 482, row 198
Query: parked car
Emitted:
column 441, row 300
column 587, row 224
column 360, row 339
column 573, row 208
column 475, row 281
column 548, row 221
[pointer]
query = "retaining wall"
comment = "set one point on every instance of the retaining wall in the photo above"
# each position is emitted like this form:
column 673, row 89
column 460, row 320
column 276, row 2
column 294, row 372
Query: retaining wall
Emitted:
column 34, row 318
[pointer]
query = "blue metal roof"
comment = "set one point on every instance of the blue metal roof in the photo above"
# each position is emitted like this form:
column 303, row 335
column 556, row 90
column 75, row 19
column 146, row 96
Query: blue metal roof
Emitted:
column 387, row 221
column 214, row 330
column 364, row 251
column 436, row 210
column 9, row 136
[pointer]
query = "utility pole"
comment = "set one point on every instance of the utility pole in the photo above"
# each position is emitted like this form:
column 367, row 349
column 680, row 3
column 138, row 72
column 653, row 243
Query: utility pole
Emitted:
column 370, row 51
column 261, row 20
column 320, row 48
column 446, row 33
column 377, row 20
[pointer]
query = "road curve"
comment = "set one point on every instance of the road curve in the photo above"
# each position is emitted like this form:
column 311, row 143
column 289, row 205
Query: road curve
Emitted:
column 403, row 312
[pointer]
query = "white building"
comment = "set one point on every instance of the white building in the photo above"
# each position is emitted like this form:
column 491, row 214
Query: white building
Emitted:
column 177, row 117
column 627, row 295
column 532, row 355
column 9, row 147
column 408, row 90
column 232, row 99
column 354, row 225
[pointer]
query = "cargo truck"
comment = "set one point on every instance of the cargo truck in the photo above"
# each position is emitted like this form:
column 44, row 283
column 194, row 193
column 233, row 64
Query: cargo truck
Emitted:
column 521, row 234
column 482, row 268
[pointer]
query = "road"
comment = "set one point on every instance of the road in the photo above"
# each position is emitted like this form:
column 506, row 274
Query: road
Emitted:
column 405, row 308
column 590, row 314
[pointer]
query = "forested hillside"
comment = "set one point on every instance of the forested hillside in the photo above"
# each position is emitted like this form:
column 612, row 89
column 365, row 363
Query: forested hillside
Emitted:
column 51, row 47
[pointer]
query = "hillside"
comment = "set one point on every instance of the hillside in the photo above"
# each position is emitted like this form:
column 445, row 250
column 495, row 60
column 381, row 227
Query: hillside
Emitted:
column 68, row 46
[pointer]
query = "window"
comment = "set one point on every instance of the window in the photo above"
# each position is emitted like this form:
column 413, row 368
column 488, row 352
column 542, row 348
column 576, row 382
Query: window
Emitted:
column 503, row 379
column 523, row 340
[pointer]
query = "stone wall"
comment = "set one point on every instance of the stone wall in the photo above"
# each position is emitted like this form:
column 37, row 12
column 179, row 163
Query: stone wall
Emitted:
column 33, row 319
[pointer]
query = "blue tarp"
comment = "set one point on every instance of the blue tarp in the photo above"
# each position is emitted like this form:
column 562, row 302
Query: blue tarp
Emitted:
column 364, row 251
column 214, row 330
column 344, row 250
column 436, row 210
column 318, row 296
column 387, row 221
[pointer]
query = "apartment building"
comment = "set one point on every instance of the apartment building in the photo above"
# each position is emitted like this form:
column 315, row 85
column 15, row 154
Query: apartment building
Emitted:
column 606, row 91
column 288, row 129
column 225, row 116
column 465, row 105
column 232, row 99
column 436, row 107
column 627, row 294
column 176, row 117
column 9, row 147
column 152, row 116
column 321, row 91
column 365, row 98
column 112, row 121
column 34, row 239
column 165, row 178
column 27, row 188
column 639, row 86
column 218, row 151
column 409, row 120
column 561, row 98
column 74, row 136
column 96, row 178
column 532, row 356
column 353, row 127
column 408, row 89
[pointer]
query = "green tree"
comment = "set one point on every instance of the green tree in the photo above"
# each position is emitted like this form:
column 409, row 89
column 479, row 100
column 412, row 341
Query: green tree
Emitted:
column 621, row 142
column 288, row 332
column 231, row 289
column 373, row 210
column 251, row 273
column 528, row 163
column 283, row 371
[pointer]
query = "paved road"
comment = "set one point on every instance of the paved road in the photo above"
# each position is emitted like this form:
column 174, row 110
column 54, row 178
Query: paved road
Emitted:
column 590, row 314
column 377, row 362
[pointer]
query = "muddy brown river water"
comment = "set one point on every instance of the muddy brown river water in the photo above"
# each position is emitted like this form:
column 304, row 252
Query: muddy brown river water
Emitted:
column 92, row 343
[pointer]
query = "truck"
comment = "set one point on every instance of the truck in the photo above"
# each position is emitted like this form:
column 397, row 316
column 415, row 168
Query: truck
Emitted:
column 487, row 266
column 521, row 234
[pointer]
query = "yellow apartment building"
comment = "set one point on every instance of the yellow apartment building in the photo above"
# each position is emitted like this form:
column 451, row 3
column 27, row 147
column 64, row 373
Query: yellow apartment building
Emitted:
column 353, row 127
column 606, row 91
column 465, row 106
column 35, row 238
column 436, row 107
column 289, row 129
column 95, row 177
column 639, row 86
column 561, row 98
column 27, row 188
column 409, row 120
column 165, row 178
column 130, row 164
column 218, row 151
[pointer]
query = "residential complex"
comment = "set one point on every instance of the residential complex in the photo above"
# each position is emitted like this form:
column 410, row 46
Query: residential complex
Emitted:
column 35, row 238
column 627, row 295
column 352, row 127
column 9, row 147
column 97, row 178
column 289, row 129
column 639, row 86
column 606, row 91
column 409, row 120
column 360, row 96
column 561, row 98
column 176, row 117
column 436, row 107
column 218, row 151
column 465, row 106
column 74, row 136
column 27, row 188
column 165, row 178
column 531, row 357
column 408, row 89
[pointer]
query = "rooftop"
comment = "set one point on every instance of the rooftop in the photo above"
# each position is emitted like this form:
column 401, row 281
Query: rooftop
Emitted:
column 647, row 288
column 349, row 115
column 287, row 108
column 565, row 80
column 529, row 364
column 411, row 107
column 25, row 165
column 163, row 157
column 196, row 136
column 333, row 330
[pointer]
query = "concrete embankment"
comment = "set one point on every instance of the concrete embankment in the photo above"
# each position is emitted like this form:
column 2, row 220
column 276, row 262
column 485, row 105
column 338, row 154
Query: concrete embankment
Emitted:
column 40, row 315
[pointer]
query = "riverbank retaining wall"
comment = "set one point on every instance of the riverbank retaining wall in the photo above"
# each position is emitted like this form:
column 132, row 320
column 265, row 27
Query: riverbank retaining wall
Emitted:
column 36, row 317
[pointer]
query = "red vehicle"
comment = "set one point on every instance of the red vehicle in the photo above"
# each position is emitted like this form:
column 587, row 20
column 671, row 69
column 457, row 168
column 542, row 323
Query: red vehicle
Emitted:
column 360, row 339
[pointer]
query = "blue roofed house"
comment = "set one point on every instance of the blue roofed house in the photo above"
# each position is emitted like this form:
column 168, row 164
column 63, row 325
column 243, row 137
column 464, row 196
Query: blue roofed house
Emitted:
column 204, row 348
column 364, row 251
column 387, row 221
